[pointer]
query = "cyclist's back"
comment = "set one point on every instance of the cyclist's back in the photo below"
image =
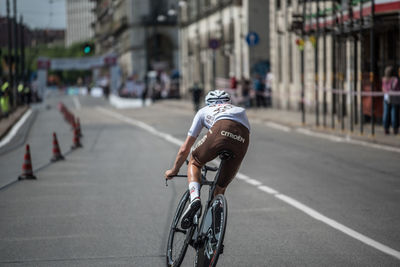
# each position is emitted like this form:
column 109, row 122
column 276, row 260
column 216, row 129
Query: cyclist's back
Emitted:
column 208, row 115
column 228, row 129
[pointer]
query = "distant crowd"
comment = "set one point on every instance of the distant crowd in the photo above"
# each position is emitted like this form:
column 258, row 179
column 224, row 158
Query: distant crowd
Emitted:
column 247, row 93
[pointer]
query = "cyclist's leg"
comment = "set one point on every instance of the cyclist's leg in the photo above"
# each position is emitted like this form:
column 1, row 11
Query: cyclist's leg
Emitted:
column 239, row 149
column 219, row 190
column 228, row 172
column 194, row 171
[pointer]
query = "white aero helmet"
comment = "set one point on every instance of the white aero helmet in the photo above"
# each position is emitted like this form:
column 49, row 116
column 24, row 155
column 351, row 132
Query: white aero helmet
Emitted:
column 217, row 97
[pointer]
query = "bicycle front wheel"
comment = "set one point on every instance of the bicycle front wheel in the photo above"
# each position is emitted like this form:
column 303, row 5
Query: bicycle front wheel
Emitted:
column 208, row 253
column 178, row 239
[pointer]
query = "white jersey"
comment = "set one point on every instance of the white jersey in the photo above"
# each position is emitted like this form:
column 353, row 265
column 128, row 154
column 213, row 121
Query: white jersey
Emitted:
column 207, row 116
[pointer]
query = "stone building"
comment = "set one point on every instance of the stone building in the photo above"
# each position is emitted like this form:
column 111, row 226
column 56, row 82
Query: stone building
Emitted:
column 141, row 33
column 328, row 56
column 79, row 21
column 221, row 39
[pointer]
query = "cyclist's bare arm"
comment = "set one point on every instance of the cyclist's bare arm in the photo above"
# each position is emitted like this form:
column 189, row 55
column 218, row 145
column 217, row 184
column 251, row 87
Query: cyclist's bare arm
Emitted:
column 183, row 153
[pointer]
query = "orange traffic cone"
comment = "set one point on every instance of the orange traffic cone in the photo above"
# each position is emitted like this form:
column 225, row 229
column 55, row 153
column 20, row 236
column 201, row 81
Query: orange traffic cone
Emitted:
column 76, row 141
column 27, row 172
column 56, row 150
column 78, row 127
column 71, row 119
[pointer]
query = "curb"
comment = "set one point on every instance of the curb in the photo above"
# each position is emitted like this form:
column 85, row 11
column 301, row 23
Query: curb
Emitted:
column 9, row 123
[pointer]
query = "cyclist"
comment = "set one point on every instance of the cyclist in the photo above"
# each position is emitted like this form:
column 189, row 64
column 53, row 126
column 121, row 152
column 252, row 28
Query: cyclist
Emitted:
column 228, row 128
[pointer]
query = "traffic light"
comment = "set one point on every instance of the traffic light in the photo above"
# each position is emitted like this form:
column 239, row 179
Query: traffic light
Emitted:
column 88, row 48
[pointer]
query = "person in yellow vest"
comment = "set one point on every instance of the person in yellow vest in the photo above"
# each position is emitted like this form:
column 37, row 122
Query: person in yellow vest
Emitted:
column 27, row 93
column 20, row 89
column 5, row 99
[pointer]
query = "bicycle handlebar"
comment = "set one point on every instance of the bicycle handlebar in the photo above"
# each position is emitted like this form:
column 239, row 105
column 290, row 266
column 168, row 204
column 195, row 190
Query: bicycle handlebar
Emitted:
column 178, row 175
column 207, row 168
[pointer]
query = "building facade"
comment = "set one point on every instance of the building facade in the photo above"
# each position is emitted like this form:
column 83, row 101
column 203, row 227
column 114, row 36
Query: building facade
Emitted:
column 79, row 21
column 141, row 33
column 329, row 55
column 223, row 39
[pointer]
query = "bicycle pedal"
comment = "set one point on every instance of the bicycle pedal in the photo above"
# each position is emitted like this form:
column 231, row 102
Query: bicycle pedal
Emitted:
column 221, row 249
column 196, row 244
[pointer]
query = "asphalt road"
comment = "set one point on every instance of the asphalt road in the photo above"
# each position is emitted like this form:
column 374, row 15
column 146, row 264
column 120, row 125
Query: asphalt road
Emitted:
column 107, row 204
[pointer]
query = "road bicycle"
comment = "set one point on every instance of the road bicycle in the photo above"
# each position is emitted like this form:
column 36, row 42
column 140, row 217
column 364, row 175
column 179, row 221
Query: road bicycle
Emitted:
column 206, row 235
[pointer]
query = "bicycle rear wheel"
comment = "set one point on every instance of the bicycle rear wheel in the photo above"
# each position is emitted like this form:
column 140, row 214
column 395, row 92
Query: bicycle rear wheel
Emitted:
column 178, row 239
column 208, row 253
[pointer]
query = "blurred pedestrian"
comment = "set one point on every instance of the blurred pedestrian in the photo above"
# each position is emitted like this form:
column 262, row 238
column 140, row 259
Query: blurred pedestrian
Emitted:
column 390, row 84
column 259, row 89
column 105, row 85
column 232, row 82
column 166, row 84
column 5, row 99
column 20, row 90
column 28, row 95
column 197, row 92
column 269, row 78
column 246, row 89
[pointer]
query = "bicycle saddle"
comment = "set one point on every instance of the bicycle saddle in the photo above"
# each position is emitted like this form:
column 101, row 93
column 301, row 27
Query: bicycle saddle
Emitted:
column 225, row 154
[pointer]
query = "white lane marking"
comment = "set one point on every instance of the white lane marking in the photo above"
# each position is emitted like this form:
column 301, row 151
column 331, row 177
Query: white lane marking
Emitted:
column 77, row 103
column 278, row 126
column 319, row 135
column 142, row 125
column 318, row 216
column 253, row 182
column 15, row 128
column 241, row 176
column 268, row 190
column 366, row 144
column 346, row 139
column 329, row 137
column 294, row 203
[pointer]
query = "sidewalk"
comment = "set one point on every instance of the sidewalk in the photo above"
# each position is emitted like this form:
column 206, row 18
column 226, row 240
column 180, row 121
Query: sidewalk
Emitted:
column 7, row 123
column 291, row 120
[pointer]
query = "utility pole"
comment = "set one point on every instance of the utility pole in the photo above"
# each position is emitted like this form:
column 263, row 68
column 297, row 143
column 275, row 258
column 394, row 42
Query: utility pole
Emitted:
column 316, row 66
column 372, row 67
column 15, row 34
column 303, row 115
column 10, row 62
column 22, row 49
column 354, row 76
column 325, row 68
column 361, row 70
column 334, row 73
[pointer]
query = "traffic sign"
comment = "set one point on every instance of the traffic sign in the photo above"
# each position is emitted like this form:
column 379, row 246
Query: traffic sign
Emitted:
column 252, row 38
column 213, row 44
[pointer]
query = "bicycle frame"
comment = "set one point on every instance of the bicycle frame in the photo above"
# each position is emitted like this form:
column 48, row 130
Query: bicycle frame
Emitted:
column 202, row 234
column 197, row 237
